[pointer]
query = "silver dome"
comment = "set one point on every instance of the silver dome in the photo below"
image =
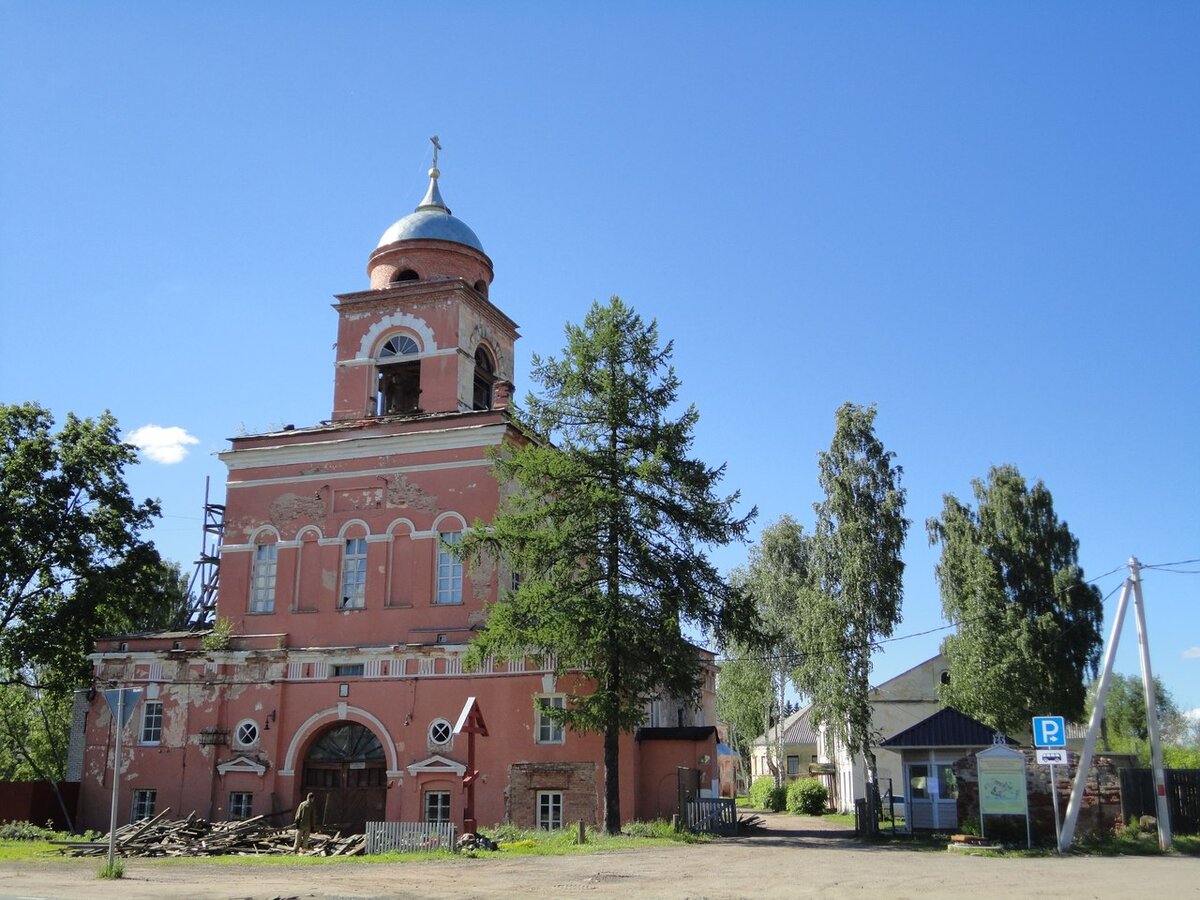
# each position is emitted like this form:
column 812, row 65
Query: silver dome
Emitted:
column 431, row 221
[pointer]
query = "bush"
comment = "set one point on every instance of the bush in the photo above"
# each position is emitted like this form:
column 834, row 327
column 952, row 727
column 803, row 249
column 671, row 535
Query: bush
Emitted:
column 766, row 794
column 806, row 797
column 25, row 831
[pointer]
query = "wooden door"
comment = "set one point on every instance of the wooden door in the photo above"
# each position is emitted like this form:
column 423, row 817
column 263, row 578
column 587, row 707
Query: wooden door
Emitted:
column 346, row 771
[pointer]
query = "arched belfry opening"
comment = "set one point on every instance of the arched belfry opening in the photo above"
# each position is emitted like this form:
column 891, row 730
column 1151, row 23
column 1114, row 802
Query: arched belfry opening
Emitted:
column 485, row 377
column 399, row 377
column 346, row 770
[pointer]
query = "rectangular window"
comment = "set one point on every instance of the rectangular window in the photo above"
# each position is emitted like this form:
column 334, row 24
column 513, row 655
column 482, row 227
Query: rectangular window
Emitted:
column 793, row 764
column 450, row 570
column 262, row 579
column 354, row 574
column 655, row 718
column 152, row 717
column 143, row 805
column 347, row 670
column 947, row 783
column 437, row 806
column 548, row 730
column 918, row 777
column 549, row 810
column 240, row 805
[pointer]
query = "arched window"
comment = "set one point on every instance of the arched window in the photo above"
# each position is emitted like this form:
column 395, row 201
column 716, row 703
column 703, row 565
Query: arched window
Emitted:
column 405, row 275
column 485, row 376
column 399, row 389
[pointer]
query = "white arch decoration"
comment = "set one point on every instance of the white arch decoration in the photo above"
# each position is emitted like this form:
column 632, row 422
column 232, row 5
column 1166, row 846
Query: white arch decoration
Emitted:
column 341, row 712
column 390, row 323
column 261, row 531
column 397, row 523
column 346, row 527
column 315, row 529
column 437, row 523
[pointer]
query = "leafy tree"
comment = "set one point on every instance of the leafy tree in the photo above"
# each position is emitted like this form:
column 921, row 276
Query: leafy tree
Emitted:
column 168, row 598
column 746, row 700
column 73, row 564
column 1028, row 625
column 35, row 726
column 605, row 527
column 853, row 593
column 778, row 579
column 1125, row 727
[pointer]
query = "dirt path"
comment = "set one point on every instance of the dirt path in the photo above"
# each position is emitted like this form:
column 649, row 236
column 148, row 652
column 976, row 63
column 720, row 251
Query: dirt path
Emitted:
column 793, row 858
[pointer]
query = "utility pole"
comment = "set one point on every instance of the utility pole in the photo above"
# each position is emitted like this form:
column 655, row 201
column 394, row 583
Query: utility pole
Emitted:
column 1131, row 588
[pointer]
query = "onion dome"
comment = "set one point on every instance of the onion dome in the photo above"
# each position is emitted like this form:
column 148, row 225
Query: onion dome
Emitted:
column 431, row 220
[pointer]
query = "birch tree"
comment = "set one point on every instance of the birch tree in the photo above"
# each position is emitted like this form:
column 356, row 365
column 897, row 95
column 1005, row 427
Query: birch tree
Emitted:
column 856, row 580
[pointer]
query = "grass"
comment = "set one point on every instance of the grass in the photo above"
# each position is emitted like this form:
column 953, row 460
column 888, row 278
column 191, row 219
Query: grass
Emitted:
column 116, row 870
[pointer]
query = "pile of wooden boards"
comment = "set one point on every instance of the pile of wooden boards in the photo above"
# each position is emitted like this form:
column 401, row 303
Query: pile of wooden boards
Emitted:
column 194, row 836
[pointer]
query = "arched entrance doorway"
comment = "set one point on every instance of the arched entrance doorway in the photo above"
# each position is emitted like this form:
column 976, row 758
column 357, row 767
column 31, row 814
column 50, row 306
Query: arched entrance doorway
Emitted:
column 346, row 770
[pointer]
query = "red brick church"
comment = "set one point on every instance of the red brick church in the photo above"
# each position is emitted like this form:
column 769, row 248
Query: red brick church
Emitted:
column 344, row 672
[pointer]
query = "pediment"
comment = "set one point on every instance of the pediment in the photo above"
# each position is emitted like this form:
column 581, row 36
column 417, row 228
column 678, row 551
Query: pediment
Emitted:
column 242, row 764
column 438, row 764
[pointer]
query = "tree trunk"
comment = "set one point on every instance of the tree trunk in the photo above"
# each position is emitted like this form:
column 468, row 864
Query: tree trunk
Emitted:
column 612, row 779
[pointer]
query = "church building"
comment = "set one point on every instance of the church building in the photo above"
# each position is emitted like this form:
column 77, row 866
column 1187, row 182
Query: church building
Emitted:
column 342, row 673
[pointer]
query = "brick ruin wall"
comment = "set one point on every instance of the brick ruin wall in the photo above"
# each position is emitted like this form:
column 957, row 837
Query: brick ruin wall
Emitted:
column 576, row 780
column 1099, row 813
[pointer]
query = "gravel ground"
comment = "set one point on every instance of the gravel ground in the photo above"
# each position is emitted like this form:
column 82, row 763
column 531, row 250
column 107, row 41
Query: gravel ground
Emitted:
column 792, row 858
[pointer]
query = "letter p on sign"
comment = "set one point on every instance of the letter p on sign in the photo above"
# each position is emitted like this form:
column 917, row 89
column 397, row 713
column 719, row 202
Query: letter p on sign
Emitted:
column 1049, row 731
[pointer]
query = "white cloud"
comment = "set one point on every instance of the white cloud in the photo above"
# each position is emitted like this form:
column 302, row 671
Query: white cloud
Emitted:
column 162, row 445
column 1191, row 653
column 1193, row 714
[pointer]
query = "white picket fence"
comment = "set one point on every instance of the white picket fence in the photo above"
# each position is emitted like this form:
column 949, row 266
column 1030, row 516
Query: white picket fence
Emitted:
column 408, row 837
column 712, row 815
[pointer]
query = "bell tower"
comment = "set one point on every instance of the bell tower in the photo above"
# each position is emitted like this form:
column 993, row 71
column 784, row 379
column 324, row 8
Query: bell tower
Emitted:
column 423, row 339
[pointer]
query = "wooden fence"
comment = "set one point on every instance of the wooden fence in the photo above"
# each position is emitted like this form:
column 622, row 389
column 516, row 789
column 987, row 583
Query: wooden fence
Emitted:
column 409, row 837
column 1183, row 797
column 712, row 815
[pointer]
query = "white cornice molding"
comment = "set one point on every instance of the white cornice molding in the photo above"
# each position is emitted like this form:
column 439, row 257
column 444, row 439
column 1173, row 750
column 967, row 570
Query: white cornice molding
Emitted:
column 364, row 447
column 439, row 765
column 242, row 764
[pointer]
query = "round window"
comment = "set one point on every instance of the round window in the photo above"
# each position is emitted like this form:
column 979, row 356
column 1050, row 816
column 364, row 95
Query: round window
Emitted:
column 246, row 734
column 439, row 731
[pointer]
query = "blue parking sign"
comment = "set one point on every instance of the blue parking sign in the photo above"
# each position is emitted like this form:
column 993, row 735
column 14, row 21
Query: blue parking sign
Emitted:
column 1049, row 731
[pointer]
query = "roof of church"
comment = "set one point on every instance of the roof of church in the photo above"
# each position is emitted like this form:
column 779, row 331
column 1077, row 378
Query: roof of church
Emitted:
column 431, row 221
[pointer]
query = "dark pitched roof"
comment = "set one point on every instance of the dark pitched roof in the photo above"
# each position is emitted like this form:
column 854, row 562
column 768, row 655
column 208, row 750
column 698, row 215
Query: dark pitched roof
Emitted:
column 946, row 728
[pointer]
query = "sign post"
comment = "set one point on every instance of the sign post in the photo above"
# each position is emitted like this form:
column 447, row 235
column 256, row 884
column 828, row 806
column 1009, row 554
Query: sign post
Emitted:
column 122, row 703
column 1050, row 737
column 1002, row 785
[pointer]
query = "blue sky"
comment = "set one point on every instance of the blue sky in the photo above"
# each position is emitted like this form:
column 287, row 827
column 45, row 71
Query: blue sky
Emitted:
column 983, row 218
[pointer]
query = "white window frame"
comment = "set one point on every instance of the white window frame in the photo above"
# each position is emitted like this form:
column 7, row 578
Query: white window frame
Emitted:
column 449, row 571
column 243, row 727
column 142, row 804
column 441, row 726
column 549, row 731
column 437, row 803
column 262, row 578
column 354, row 574
column 549, row 810
column 150, row 734
column 241, row 805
